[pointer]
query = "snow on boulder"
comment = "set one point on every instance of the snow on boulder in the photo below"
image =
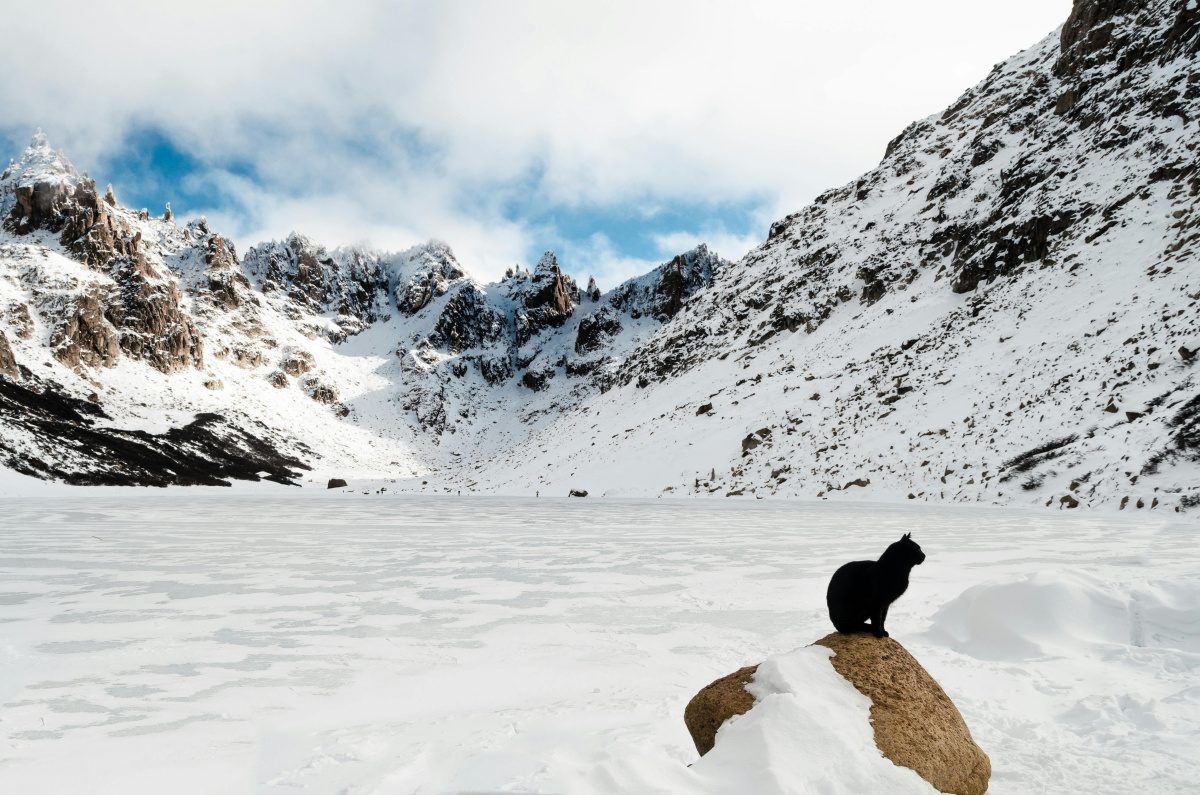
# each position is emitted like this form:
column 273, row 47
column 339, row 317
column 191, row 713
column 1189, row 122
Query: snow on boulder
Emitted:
column 872, row 721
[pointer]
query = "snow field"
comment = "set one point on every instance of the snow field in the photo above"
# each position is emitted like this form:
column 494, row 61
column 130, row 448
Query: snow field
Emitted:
column 285, row 640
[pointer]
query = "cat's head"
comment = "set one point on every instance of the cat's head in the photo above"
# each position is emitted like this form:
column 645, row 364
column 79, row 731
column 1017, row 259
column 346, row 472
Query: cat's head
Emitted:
column 908, row 550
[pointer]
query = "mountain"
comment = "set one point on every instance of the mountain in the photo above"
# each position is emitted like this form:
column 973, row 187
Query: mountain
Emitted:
column 135, row 348
column 1003, row 310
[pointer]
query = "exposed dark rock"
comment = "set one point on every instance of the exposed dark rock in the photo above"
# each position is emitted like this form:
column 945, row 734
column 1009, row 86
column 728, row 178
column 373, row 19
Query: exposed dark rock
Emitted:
column 545, row 300
column 349, row 282
column 716, row 703
column 153, row 325
column 85, row 335
column 578, row 493
column 595, row 330
column 436, row 270
column 227, row 286
column 468, row 321
column 581, row 367
column 1036, row 457
column 297, row 362
column 336, row 483
column 72, row 448
column 537, row 379
column 662, row 293
column 20, row 320
column 704, row 409
column 245, row 358
column 321, row 392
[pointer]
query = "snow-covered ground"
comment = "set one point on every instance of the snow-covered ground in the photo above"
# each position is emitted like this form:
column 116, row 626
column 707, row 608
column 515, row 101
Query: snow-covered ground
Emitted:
column 288, row 640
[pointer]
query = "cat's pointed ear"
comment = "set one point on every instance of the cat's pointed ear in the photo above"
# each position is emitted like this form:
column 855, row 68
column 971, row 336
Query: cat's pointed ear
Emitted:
column 908, row 535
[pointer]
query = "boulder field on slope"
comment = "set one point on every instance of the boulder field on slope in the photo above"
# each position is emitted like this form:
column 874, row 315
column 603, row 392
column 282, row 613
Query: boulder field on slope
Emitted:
column 915, row 723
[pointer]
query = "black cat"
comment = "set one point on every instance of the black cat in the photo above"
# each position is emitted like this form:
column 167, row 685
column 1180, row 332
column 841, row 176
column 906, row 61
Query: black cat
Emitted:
column 863, row 590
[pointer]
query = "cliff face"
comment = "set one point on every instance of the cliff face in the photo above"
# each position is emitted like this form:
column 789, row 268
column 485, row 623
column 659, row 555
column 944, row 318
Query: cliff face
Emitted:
column 126, row 301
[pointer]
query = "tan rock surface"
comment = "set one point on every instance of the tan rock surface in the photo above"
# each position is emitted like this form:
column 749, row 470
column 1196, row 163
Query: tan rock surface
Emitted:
column 8, row 363
column 715, row 704
column 916, row 724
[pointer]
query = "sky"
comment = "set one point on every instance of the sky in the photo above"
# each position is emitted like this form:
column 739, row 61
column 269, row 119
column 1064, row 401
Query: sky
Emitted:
column 616, row 133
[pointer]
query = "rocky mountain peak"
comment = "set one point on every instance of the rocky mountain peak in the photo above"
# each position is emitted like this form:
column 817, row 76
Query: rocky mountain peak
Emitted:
column 546, row 300
column 40, row 163
column 547, row 266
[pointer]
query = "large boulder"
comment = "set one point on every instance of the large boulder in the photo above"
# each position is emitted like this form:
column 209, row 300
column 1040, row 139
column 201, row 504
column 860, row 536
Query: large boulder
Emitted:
column 916, row 724
column 717, row 703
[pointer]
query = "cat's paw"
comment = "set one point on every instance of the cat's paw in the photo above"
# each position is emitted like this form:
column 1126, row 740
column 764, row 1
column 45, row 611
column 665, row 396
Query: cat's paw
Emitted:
column 879, row 634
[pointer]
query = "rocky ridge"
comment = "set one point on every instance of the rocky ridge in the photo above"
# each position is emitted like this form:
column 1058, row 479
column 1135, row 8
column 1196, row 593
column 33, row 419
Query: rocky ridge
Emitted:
column 94, row 285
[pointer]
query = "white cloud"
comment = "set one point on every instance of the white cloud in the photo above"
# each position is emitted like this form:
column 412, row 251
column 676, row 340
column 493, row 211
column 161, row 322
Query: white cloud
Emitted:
column 412, row 120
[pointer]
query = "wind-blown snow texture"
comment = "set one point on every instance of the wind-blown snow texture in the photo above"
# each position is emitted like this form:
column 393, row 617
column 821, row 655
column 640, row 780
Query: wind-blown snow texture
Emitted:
column 1004, row 310
column 323, row 642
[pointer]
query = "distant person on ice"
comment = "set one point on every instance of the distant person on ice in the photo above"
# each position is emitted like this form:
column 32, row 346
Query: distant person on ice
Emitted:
column 863, row 590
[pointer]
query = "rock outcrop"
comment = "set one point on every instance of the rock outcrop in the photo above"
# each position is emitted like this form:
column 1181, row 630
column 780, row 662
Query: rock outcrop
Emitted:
column 596, row 330
column 84, row 335
column 431, row 270
column 916, row 724
column 210, row 450
column 350, row 282
column 8, row 362
column 141, row 314
column 662, row 292
column 717, row 703
column 545, row 300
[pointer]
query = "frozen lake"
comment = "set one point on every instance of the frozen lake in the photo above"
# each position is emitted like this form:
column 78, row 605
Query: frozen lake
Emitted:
column 278, row 641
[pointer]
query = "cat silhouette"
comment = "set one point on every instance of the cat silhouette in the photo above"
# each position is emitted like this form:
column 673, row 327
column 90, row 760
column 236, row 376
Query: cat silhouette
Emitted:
column 863, row 590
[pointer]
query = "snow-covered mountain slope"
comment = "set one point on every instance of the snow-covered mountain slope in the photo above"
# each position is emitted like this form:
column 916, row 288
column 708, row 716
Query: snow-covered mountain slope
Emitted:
column 1005, row 309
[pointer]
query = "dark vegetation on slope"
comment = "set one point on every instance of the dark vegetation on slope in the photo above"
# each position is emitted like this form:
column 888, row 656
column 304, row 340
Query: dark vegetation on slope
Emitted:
column 209, row 451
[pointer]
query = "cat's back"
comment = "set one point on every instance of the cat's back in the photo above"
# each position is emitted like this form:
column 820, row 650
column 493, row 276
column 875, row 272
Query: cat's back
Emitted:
column 850, row 576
